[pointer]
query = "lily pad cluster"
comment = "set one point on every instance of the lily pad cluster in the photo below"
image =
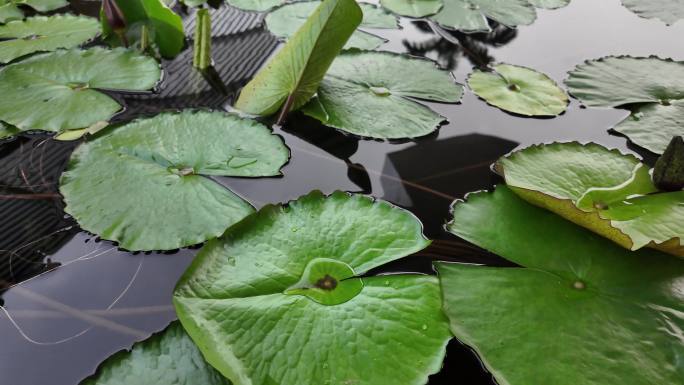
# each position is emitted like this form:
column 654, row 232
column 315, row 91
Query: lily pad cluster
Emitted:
column 519, row 90
column 59, row 91
column 12, row 9
column 284, row 22
column 603, row 190
column 146, row 186
column 41, row 33
column 578, row 309
column 651, row 88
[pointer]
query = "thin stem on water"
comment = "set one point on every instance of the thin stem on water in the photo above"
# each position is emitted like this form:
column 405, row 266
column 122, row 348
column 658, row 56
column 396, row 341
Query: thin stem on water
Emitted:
column 285, row 110
column 202, row 45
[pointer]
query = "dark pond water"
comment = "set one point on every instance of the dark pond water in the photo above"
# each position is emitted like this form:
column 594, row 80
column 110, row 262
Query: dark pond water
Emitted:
column 71, row 300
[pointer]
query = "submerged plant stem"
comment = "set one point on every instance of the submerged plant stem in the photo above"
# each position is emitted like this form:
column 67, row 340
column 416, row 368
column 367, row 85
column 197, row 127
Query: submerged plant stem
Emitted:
column 202, row 47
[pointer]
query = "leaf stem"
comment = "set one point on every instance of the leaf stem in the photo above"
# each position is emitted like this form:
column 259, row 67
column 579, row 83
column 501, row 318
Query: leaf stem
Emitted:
column 144, row 37
column 202, row 45
column 285, row 110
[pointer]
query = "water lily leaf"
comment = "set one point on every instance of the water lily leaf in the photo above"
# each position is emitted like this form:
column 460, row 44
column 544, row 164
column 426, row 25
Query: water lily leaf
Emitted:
column 9, row 9
column 278, row 299
column 39, row 94
column 165, row 27
column 603, row 190
column 169, row 357
column 519, row 90
column 668, row 11
column 298, row 68
column 40, row 33
column 467, row 15
column 286, row 20
column 549, row 4
column 652, row 88
column 413, row 8
column 367, row 94
column 7, row 131
column 579, row 310
column 143, row 184
column 256, row 5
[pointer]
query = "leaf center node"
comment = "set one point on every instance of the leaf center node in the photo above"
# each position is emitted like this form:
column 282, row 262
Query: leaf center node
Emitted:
column 514, row 87
column 380, row 91
column 326, row 283
column 579, row 285
column 78, row 86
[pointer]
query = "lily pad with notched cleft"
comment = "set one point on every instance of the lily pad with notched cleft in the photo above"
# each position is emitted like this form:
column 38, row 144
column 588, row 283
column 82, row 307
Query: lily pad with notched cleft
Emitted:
column 168, row 357
column 519, row 90
column 467, row 15
column 603, row 190
column 292, row 76
column 651, row 88
column 58, row 91
column 40, row 33
column 370, row 94
column 143, row 185
column 9, row 9
column 279, row 298
column 667, row 11
column 284, row 22
column 578, row 310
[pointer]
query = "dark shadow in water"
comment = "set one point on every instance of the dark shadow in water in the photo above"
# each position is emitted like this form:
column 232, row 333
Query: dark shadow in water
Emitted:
column 33, row 224
column 333, row 142
column 450, row 46
column 427, row 177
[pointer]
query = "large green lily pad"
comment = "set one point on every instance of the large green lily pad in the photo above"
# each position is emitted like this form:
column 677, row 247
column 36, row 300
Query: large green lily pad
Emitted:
column 279, row 299
column 370, row 94
column 169, row 357
column 519, row 90
column 143, row 184
column 40, row 33
column 39, row 93
column 578, row 310
column 164, row 26
column 467, row 15
column 291, row 78
column 9, row 9
column 284, row 22
column 603, row 190
column 667, row 11
column 652, row 88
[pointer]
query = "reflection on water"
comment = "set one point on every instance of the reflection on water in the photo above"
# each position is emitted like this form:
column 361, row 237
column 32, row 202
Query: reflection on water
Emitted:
column 100, row 299
column 449, row 47
column 33, row 223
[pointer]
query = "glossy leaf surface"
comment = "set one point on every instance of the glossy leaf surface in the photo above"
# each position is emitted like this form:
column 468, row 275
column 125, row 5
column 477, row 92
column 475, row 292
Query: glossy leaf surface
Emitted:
column 652, row 88
column 369, row 94
column 9, row 9
column 519, row 90
column 578, row 310
column 40, row 33
column 58, row 91
column 278, row 298
column 168, row 357
column 603, row 190
column 143, row 185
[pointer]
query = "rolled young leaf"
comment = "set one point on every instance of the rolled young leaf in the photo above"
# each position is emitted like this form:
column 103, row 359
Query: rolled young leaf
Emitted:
column 295, row 71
